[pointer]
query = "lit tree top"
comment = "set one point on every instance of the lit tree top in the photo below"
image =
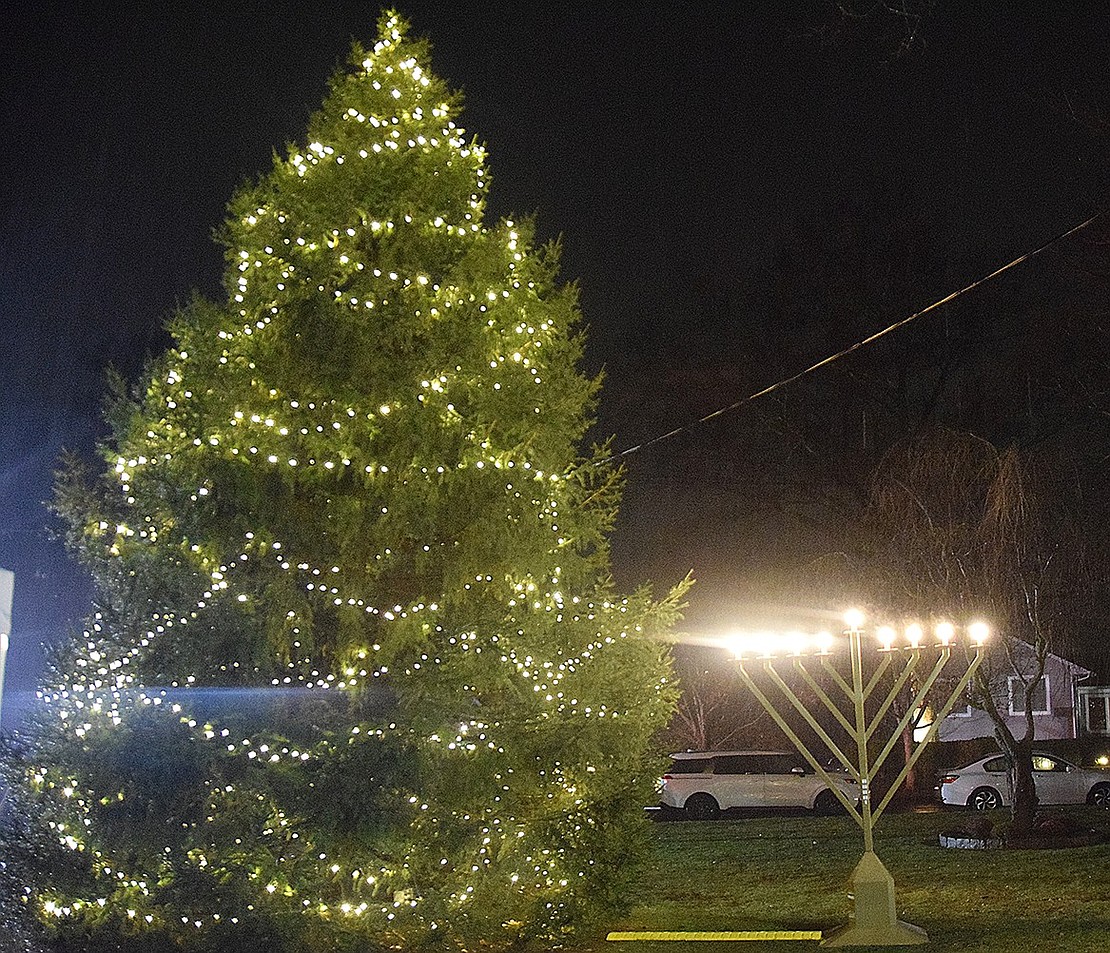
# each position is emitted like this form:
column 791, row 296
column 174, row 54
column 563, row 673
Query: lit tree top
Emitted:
column 381, row 346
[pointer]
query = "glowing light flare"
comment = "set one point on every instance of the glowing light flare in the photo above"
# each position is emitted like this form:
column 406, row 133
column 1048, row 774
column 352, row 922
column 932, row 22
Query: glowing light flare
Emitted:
column 945, row 632
column 886, row 636
column 767, row 644
column 795, row 643
column 854, row 619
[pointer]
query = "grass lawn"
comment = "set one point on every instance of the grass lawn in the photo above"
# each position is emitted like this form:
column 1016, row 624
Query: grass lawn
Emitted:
column 790, row 873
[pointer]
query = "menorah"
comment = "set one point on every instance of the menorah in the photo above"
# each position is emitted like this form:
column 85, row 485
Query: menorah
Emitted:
column 873, row 921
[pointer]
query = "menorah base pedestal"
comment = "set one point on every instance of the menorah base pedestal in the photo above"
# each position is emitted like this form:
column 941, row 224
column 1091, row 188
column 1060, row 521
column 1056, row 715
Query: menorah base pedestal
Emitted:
column 873, row 922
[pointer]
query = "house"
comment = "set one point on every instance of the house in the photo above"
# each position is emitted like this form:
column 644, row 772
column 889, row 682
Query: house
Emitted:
column 1062, row 707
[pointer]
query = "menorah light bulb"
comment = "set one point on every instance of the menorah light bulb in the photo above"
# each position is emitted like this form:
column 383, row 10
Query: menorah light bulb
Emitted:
column 795, row 642
column 886, row 635
column 824, row 641
column 853, row 618
column 914, row 634
column 979, row 632
column 738, row 643
column 765, row 644
column 945, row 632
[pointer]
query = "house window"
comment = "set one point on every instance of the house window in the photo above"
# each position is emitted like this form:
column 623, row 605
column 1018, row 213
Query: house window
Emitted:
column 1097, row 713
column 1040, row 697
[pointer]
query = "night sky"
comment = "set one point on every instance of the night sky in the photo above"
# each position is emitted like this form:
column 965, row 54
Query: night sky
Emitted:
column 702, row 163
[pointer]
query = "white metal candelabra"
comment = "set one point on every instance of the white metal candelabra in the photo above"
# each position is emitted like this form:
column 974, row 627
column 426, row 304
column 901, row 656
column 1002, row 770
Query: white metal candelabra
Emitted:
column 873, row 921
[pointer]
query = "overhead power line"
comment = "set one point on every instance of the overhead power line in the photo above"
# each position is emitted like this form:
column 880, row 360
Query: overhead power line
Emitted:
column 824, row 362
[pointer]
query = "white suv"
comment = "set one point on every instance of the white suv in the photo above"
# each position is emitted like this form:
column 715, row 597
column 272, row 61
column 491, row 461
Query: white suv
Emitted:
column 704, row 783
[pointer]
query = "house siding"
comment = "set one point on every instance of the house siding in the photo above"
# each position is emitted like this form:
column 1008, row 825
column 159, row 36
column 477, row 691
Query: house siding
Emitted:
column 1059, row 724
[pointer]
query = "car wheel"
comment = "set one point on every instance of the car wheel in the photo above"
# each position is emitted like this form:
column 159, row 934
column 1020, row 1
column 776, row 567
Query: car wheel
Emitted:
column 827, row 803
column 984, row 799
column 1100, row 795
column 702, row 807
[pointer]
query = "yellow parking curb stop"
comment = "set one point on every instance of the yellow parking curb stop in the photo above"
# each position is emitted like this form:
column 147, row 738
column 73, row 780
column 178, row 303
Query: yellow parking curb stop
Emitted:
column 718, row 936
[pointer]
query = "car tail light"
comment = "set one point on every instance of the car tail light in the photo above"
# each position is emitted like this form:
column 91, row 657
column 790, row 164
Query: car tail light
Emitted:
column 949, row 778
column 666, row 777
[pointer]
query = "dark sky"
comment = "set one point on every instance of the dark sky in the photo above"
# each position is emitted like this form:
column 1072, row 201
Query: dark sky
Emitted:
column 683, row 153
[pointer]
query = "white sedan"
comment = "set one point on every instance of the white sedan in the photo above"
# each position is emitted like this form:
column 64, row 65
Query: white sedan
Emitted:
column 984, row 785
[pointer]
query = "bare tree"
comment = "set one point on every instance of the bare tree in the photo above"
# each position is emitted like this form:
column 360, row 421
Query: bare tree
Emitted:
column 958, row 526
column 897, row 28
column 714, row 711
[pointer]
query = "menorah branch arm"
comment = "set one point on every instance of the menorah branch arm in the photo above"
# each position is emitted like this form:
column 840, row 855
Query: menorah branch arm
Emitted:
column 821, row 694
column 945, row 655
column 797, row 742
column 899, row 683
column 811, row 721
column 931, row 733
column 878, row 673
column 837, row 677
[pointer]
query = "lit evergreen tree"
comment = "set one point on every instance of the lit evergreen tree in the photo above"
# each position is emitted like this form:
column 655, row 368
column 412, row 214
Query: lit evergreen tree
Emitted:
column 351, row 501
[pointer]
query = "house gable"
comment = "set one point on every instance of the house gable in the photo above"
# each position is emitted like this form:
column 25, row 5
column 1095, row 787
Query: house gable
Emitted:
column 1054, row 702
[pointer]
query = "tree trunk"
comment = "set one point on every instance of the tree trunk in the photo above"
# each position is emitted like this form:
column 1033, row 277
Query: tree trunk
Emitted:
column 910, row 784
column 1019, row 761
column 1018, row 754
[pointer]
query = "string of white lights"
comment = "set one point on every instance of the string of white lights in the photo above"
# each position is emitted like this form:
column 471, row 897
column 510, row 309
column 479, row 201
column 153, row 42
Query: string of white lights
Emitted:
column 824, row 362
